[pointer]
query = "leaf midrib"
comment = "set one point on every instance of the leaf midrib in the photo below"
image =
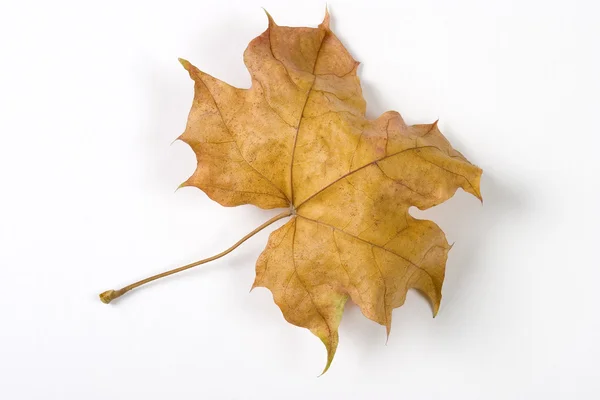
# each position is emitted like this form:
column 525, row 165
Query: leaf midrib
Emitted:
column 301, row 118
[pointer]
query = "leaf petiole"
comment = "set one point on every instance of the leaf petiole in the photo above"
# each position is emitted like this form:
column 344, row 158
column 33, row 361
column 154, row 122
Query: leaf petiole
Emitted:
column 110, row 295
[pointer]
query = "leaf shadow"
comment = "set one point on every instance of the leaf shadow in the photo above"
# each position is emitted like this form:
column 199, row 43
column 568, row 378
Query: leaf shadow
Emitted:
column 471, row 227
column 471, row 231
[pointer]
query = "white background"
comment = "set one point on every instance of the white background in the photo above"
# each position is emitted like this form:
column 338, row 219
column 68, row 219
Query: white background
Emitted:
column 91, row 97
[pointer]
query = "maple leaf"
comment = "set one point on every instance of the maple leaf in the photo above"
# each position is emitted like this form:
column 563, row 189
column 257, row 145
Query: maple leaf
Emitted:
column 299, row 139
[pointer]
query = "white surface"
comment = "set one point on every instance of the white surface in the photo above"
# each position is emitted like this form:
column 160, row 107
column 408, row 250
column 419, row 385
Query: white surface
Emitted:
column 92, row 95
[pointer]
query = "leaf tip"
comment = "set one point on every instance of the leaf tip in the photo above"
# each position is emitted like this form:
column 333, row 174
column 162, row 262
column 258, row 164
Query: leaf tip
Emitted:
column 436, row 308
column 186, row 64
column 477, row 187
column 326, row 367
column 388, row 329
column 474, row 183
column 184, row 184
column 270, row 18
column 327, row 19
column 176, row 139
column 330, row 343
column 255, row 284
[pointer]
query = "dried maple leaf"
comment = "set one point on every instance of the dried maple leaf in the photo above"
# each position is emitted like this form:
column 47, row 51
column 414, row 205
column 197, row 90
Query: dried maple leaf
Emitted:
column 299, row 138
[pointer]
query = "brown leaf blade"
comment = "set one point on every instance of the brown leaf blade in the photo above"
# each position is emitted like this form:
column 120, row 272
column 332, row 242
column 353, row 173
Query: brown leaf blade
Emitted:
column 299, row 138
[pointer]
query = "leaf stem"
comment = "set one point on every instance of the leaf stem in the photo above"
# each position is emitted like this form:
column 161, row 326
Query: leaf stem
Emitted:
column 110, row 295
